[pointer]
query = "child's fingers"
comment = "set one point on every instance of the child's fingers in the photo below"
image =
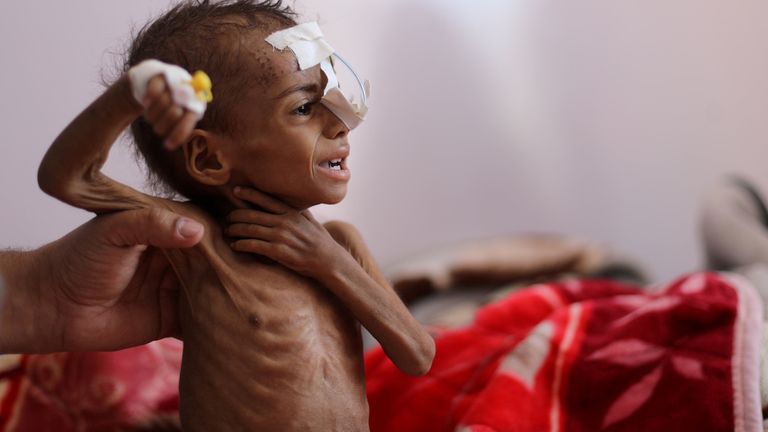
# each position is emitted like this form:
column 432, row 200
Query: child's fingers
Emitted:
column 155, row 87
column 181, row 131
column 158, row 107
column 156, row 98
column 169, row 119
column 262, row 200
column 253, row 217
column 250, row 231
column 260, row 247
column 307, row 214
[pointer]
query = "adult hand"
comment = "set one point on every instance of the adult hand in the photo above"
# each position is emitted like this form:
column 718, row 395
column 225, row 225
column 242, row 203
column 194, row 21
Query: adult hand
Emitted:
column 100, row 287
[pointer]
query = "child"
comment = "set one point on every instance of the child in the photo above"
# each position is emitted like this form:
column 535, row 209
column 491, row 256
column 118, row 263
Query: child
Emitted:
column 271, row 337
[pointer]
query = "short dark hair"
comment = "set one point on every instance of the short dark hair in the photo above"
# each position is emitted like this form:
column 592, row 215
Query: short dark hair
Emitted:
column 199, row 35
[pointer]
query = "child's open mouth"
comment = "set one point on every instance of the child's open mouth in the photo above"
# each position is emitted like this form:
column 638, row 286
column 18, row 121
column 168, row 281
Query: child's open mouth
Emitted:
column 335, row 164
column 336, row 168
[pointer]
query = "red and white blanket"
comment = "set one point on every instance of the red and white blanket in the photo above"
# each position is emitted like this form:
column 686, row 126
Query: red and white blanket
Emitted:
column 574, row 356
column 124, row 390
column 588, row 356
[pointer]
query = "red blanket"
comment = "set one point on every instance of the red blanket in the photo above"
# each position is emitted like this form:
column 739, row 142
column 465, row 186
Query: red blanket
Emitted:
column 588, row 356
column 90, row 392
column 576, row 356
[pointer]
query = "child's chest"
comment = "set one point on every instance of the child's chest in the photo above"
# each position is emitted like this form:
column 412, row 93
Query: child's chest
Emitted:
column 234, row 299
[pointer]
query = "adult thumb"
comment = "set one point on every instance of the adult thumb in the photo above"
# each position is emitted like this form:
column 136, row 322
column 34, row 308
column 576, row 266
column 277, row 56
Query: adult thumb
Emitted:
column 155, row 227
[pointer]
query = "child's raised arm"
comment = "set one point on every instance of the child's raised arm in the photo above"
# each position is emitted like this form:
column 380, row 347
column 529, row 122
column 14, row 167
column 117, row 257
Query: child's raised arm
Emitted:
column 336, row 256
column 71, row 169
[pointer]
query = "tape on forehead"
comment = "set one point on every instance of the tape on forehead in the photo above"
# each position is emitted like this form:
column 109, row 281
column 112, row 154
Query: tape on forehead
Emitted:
column 307, row 43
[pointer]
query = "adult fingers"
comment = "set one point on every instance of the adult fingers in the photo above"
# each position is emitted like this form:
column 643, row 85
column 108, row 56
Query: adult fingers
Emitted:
column 181, row 131
column 155, row 227
column 262, row 200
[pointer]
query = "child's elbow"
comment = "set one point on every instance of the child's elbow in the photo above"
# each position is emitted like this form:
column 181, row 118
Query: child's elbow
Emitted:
column 56, row 185
column 420, row 361
column 47, row 181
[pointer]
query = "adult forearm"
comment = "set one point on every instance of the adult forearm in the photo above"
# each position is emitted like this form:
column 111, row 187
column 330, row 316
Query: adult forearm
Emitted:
column 21, row 273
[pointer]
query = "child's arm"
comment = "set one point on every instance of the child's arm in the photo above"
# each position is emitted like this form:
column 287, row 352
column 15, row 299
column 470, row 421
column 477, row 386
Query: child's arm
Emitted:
column 71, row 169
column 336, row 256
column 410, row 346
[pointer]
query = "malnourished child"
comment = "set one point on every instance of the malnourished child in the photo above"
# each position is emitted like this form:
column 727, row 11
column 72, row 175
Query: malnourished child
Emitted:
column 272, row 300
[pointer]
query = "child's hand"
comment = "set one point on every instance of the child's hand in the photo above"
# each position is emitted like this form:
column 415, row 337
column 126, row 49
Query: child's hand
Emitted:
column 293, row 238
column 173, row 100
column 168, row 119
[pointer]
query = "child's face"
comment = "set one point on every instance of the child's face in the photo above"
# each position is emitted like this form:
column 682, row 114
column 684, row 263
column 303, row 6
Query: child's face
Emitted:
column 288, row 144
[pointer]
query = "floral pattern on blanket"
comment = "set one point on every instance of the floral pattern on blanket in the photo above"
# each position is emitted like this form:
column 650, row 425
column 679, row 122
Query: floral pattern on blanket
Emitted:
column 588, row 356
column 132, row 389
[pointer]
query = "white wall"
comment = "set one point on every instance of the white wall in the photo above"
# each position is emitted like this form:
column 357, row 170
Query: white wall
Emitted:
column 601, row 119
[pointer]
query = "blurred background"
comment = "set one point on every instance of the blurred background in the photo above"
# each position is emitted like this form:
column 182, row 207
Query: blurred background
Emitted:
column 599, row 119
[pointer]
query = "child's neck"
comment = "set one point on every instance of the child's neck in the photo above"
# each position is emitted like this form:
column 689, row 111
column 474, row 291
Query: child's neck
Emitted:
column 216, row 206
column 220, row 206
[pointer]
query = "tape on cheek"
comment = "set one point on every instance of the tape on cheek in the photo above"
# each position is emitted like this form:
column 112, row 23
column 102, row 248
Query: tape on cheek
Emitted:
column 177, row 79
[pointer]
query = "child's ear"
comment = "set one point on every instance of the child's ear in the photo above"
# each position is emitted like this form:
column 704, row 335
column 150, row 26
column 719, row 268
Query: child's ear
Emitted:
column 205, row 161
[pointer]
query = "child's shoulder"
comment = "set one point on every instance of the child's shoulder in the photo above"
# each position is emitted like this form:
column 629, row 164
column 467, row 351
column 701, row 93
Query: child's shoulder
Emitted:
column 348, row 236
column 339, row 228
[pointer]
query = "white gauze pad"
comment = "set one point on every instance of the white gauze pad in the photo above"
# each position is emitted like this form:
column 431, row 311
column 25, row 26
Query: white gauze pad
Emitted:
column 178, row 80
column 307, row 43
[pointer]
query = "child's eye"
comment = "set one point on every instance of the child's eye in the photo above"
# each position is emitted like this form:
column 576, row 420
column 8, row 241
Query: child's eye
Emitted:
column 304, row 110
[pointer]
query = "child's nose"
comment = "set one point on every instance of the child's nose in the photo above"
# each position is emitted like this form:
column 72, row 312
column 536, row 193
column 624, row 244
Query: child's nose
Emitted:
column 334, row 127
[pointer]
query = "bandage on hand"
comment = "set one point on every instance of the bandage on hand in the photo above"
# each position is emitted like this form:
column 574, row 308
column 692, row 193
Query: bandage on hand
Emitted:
column 173, row 100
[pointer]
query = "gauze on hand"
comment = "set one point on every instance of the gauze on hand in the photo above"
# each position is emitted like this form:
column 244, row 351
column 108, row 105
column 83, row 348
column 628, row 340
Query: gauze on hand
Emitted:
column 179, row 82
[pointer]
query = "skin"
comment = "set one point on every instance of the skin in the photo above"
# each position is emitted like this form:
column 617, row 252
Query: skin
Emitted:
column 287, row 115
column 97, row 288
column 272, row 300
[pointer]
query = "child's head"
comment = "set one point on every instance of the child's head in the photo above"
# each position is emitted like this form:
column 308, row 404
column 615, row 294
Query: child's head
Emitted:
column 264, row 127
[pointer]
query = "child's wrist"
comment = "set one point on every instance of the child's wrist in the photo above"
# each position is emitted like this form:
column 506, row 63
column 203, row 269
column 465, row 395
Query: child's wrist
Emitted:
column 334, row 271
column 124, row 92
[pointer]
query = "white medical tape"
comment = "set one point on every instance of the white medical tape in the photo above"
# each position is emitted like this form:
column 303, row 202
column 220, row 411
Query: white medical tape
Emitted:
column 333, row 81
column 177, row 79
column 307, row 43
column 305, row 40
column 338, row 104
